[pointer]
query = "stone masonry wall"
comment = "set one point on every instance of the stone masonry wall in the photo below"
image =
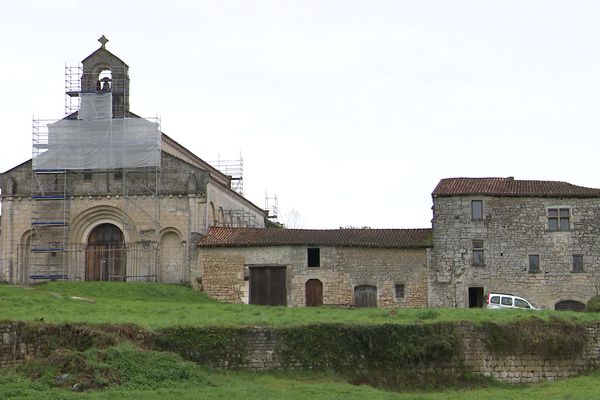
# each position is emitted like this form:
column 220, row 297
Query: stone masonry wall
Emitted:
column 511, row 230
column 221, row 272
column 180, row 216
column 263, row 346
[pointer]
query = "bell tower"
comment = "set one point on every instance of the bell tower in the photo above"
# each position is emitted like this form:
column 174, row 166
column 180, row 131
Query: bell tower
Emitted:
column 104, row 72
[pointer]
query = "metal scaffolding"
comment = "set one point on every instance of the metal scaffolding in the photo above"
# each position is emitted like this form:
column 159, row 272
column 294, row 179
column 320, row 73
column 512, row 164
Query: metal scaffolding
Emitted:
column 97, row 136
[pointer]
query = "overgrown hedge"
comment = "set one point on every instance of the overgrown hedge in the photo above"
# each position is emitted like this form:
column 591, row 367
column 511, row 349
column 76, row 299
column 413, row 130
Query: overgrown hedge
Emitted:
column 338, row 347
column 217, row 346
column 555, row 338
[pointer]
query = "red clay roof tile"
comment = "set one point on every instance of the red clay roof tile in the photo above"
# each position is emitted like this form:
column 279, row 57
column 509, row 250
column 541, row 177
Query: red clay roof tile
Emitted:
column 510, row 187
column 384, row 238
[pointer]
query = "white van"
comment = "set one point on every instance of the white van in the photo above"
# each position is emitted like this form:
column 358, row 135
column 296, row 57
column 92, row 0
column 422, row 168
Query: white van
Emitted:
column 501, row 301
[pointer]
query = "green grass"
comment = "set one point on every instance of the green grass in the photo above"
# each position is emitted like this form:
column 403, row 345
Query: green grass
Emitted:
column 153, row 306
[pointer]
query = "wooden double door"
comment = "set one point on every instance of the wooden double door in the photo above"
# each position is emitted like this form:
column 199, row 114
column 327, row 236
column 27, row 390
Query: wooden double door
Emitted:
column 268, row 286
column 105, row 254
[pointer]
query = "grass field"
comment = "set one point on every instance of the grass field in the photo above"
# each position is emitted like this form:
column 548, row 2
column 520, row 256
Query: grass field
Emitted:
column 131, row 373
column 155, row 306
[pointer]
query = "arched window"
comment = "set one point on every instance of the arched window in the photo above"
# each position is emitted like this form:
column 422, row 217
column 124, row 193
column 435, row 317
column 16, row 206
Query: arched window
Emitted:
column 104, row 83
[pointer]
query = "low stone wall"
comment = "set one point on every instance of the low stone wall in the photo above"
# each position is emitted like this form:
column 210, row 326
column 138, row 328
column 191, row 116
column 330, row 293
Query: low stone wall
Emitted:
column 12, row 349
column 527, row 368
column 263, row 349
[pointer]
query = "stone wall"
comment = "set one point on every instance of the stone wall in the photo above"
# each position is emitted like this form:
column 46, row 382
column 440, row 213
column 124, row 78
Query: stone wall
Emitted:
column 511, row 230
column 13, row 350
column 263, row 347
column 221, row 271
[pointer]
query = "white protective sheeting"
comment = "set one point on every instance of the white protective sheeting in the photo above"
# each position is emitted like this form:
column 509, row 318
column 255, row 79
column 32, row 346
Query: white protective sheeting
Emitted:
column 95, row 106
column 98, row 142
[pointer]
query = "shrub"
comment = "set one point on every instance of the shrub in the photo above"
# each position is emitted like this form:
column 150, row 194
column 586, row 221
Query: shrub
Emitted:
column 593, row 304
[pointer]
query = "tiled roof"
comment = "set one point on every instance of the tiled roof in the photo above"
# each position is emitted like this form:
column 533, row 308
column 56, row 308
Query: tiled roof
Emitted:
column 510, row 187
column 385, row 238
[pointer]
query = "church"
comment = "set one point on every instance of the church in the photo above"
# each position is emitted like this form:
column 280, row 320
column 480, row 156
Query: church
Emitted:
column 107, row 195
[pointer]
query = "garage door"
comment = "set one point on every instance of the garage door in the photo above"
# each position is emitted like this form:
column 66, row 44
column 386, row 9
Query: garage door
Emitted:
column 267, row 286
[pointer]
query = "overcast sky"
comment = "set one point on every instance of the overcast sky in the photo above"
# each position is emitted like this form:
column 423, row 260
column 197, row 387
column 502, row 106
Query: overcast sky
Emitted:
column 349, row 111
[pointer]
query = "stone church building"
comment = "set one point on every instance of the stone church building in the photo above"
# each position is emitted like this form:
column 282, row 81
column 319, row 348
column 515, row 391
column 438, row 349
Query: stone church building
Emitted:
column 107, row 195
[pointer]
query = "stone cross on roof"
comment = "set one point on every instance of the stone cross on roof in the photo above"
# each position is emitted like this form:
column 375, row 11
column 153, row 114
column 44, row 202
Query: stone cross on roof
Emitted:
column 103, row 40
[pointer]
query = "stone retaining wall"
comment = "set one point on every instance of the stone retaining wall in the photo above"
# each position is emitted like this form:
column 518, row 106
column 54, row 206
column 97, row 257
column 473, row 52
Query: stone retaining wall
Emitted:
column 263, row 344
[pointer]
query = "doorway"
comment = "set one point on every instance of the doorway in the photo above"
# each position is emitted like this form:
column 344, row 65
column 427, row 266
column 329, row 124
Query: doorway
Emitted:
column 476, row 297
column 105, row 254
column 268, row 286
column 365, row 296
column 314, row 293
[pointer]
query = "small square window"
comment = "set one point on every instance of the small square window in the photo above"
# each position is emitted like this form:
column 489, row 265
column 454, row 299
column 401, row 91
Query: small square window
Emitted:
column 559, row 219
column 478, row 260
column 534, row 263
column 400, row 291
column 87, row 176
column 118, row 175
column 314, row 257
column 476, row 210
column 577, row 263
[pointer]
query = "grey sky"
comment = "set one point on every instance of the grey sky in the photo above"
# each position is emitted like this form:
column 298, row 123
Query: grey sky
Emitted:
column 349, row 111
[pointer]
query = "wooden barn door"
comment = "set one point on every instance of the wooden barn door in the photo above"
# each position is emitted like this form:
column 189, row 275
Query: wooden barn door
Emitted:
column 314, row 293
column 268, row 286
column 365, row 296
column 105, row 254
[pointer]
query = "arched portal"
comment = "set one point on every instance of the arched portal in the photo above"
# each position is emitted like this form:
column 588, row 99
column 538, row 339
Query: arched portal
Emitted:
column 105, row 254
column 569, row 305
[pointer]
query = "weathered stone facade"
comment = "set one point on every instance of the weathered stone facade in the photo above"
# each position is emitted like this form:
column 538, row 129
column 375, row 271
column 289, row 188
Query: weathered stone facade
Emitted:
column 511, row 229
column 222, row 272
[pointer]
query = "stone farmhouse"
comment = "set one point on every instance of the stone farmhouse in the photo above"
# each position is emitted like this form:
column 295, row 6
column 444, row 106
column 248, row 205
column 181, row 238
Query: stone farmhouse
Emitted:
column 537, row 239
column 297, row 267
column 108, row 196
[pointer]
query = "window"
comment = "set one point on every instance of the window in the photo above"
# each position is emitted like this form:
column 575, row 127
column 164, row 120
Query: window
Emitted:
column 476, row 210
column 87, row 175
column 521, row 303
column 400, row 291
column 534, row 263
column 314, row 257
column 558, row 219
column 478, row 253
column 118, row 175
column 577, row 263
column 495, row 300
column 506, row 301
